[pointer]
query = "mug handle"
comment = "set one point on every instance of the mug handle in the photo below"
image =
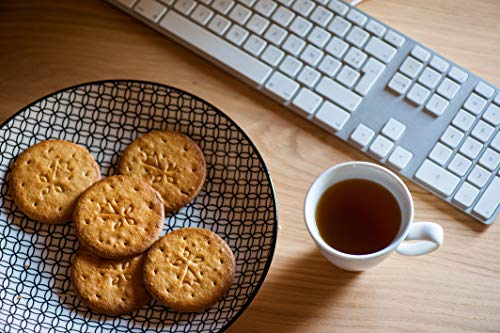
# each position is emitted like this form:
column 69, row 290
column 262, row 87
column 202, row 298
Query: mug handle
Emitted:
column 429, row 234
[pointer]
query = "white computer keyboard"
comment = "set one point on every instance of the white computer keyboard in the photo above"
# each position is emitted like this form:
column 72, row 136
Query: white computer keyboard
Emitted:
column 396, row 100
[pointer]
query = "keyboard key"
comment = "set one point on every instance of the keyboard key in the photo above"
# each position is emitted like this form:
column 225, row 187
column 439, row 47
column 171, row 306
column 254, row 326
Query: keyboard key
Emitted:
column 329, row 66
column 437, row 178
column 300, row 26
column 240, row 14
column 429, row 78
column 484, row 89
column 490, row 159
column 248, row 3
column 127, row 3
column 466, row 195
column 418, row 94
column 283, row 16
column 150, row 9
column 482, row 131
column 357, row 37
column 257, row 24
column 393, row 129
column 339, row 26
column 254, row 45
column 400, row 158
column 458, row 75
column 306, row 101
column 459, row 165
column 236, row 34
column 202, row 14
column 336, row 47
column 375, row 28
column 381, row 146
column 332, row 116
column 355, row 58
column 436, row 105
column 452, row 137
column 275, row 34
column 338, row 7
column 394, row 39
column 272, row 55
column 448, row 88
column 411, row 67
column 380, row 49
column 372, row 71
column 309, row 76
column 303, row 7
column 475, row 104
column 185, row 6
column 265, row 7
column 471, row 148
column 338, row 94
column 321, row 16
column 219, row 24
column 362, row 135
column 463, row 120
column 229, row 55
column 440, row 154
column 356, row 17
column 290, row 66
column 294, row 45
column 479, row 176
column 489, row 201
column 348, row 76
column 311, row 55
column 282, row 86
column 439, row 64
column 222, row 6
column 318, row 37
column 495, row 143
column 492, row 115
column 497, row 99
column 399, row 83
column 420, row 53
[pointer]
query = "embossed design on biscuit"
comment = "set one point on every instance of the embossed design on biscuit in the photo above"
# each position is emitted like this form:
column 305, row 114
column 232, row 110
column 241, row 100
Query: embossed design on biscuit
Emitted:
column 159, row 169
column 119, row 216
column 189, row 264
column 120, row 276
column 52, row 178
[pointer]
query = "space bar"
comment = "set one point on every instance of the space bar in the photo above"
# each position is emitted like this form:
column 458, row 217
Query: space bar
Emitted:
column 215, row 47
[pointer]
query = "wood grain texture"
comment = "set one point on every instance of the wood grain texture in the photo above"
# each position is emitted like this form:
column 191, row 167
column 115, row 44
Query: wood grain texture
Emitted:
column 48, row 45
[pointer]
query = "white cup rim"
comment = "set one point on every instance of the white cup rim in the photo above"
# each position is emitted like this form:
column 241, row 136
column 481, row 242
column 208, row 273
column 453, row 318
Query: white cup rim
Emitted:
column 311, row 225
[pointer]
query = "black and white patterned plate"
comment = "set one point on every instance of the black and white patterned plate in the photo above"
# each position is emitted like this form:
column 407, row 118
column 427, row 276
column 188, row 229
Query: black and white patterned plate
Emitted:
column 237, row 202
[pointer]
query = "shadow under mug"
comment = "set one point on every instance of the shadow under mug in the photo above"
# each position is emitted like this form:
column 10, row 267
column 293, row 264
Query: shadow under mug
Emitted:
column 430, row 235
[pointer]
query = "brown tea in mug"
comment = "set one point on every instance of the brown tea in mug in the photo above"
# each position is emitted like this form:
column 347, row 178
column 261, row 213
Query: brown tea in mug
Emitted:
column 358, row 216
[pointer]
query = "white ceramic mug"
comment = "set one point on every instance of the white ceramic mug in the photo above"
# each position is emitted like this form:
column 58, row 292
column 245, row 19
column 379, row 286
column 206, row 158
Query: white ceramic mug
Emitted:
column 430, row 234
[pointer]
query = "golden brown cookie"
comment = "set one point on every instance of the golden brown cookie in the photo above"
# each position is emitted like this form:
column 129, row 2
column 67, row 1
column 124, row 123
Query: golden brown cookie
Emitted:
column 109, row 286
column 48, row 178
column 170, row 162
column 189, row 269
column 120, row 216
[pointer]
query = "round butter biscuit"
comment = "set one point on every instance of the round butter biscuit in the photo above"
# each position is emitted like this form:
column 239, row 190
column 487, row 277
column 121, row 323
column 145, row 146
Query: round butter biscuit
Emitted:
column 107, row 286
column 189, row 269
column 118, row 217
column 171, row 162
column 48, row 178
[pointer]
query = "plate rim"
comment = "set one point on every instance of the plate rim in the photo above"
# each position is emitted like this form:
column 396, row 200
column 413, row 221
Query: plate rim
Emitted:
column 245, row 135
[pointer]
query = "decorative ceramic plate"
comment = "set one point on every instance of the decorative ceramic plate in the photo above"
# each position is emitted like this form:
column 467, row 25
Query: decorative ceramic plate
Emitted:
column 237, row 202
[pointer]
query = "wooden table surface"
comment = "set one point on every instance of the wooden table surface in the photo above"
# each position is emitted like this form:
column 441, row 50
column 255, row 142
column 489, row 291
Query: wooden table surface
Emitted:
column 48, row 45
